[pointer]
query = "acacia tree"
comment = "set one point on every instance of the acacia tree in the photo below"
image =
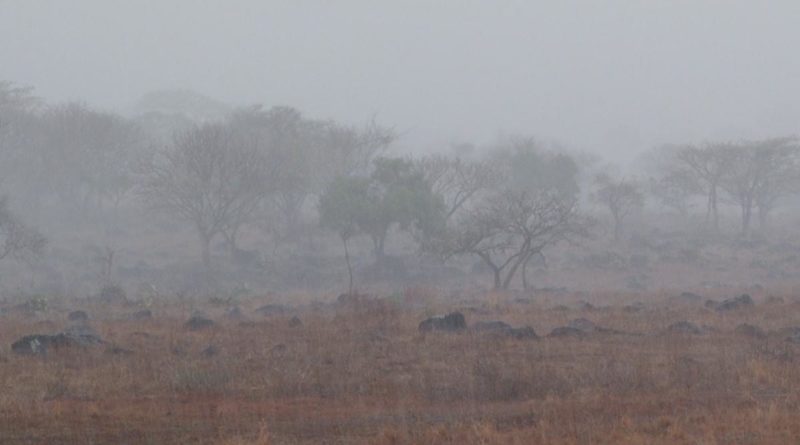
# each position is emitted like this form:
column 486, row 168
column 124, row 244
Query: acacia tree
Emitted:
column 620, row 196
column 18, row 240
column 759, row 174
column 506, row 229
column 457, row 180
column 399, row 195
column 210, row 178
column 341, row 207
column 705, row 167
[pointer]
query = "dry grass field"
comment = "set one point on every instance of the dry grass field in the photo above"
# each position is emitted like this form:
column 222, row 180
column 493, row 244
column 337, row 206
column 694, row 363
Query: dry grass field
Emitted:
column 360, row 372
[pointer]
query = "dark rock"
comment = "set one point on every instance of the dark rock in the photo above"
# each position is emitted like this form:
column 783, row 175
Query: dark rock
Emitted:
column 77, row 316
column 279, row 348
column 295, row 322
column 234, row 313
column 491, row 326
column 272, row 309
column 32, row 344
column 566, row 331
column 40, row 344
column 144, row 314
column 83, row 335
column 198, row 322
column 584, row 325
column 451, row 322
column 586, row 306
column 685, row 327
column 712, row 304
column 504, row 329
column 750, row 331
column 740, row 302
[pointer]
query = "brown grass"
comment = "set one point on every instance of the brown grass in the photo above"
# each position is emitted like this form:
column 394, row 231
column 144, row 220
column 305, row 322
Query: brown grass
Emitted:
column 362, row 374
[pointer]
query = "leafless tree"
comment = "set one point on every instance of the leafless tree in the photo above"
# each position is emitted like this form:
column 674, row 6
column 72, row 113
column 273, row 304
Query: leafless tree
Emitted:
column 705, row 165
column 506, row 229
column 620, row 196
column 210, row 178
column 759, row 173
column 18, row 240
column 457, row 180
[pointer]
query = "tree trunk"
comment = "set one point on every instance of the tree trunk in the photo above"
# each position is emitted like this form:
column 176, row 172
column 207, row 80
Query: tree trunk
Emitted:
column 205, row 247
column 349, row 266
column 747, row 215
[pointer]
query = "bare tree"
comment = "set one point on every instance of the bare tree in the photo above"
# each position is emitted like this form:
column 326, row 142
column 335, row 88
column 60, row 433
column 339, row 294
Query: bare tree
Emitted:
column 508, row 228
column 759, row 174
column 620, row 196
column 210, row 178
column 18, row 240
column 706, row 165
column 457, row 180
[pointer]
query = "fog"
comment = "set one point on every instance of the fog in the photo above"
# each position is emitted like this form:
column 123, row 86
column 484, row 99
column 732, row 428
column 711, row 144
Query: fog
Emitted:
column 613, row 78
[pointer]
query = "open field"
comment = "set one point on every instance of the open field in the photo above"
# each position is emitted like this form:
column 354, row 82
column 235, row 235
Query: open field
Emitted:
column 358, row 371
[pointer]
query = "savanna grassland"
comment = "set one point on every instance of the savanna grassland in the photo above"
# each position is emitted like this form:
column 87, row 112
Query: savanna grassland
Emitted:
column 358, row 371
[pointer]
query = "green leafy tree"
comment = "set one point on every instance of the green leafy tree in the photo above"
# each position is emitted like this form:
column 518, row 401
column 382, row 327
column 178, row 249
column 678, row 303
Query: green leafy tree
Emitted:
column 343, row 204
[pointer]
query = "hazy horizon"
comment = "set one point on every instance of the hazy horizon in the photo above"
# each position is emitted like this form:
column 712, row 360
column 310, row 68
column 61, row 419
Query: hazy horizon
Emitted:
column 613, row 80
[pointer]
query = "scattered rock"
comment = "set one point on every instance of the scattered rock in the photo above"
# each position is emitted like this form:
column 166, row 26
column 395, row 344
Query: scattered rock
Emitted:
column 198, row 322
column 501, row 328
column 234, row 313
column 39, row 344
column 32, row 344
column 740, row 302
column 272, row 309
column 295, row 322
column 686, row 297
column 451, row 322
column 635, row 307
column 144, row 314
column 685, row 327
column 566, row 331
column 750, row 331
column 83, row 335
column 583, row 325
column 77, row 316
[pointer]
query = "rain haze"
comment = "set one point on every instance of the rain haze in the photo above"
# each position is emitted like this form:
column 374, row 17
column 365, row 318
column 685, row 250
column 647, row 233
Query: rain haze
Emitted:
column 613, row 77
column 399, row 222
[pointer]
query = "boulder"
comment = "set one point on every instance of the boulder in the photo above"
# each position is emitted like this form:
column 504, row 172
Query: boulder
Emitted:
column 741, row 302
column 504, row 329
column 452, row 322
column 272, row 309
column 78, row 316
column 144, row 314
column 566, row 331
column 583, row 325
column 295, row 322
column 74, row 337
column 198, row 322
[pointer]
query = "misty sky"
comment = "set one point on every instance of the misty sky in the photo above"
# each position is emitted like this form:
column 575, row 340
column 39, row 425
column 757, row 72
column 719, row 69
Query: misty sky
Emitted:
column 613, row 77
